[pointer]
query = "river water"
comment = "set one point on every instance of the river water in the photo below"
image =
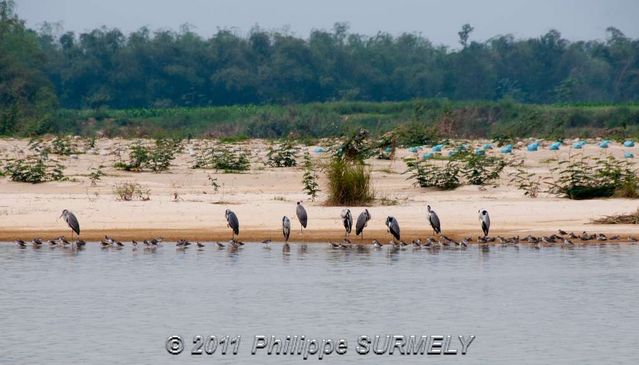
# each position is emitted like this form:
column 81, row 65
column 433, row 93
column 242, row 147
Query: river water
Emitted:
column 119, row 306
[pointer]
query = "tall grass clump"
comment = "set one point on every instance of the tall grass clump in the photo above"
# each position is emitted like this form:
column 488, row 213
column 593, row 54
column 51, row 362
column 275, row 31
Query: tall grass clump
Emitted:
column 349, row 183
column 349, row 180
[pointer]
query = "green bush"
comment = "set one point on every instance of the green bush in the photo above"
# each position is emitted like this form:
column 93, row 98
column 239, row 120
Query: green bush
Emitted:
column 311, row 186
column 428, row 175
column 464, row 167
column 480, row 169
column 587, row 178
column 95, row 175
column 33, row 170
column 530, row 183
column 222, row 158
column 282, row 155
column 61, row 145
column 156, row 159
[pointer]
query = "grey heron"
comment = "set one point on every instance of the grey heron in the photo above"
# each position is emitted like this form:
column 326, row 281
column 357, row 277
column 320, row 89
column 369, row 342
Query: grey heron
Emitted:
column 362, row 222
column 72, row 222
column 232, row 222
column 301, row 215
column 286, row 228
column 484, row 218
column 393, row 226
column 347, row 220
column 434, row 220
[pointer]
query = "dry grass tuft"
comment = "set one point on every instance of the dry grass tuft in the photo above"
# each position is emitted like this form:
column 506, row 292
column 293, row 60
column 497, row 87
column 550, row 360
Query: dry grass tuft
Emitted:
column 629, row 218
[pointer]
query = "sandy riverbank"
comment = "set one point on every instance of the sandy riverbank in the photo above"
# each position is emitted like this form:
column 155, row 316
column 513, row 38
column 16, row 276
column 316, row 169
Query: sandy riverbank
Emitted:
column 262, row 196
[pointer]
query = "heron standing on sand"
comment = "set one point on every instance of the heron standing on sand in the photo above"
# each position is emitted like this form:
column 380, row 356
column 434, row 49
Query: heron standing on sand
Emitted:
column 286, row 228
column 434, row 221
column 72, row 222
column 347, row 219
column 301, row 215
column 362, row 222
column 484, row 218
column 393, row 226
column 232, row 222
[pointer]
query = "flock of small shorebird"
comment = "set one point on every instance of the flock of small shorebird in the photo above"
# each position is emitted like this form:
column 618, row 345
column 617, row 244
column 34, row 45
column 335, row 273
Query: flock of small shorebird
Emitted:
column 561, row 238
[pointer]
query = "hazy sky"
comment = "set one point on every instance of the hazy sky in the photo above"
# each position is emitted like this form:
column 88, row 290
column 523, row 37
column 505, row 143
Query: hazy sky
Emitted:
column 438, row 20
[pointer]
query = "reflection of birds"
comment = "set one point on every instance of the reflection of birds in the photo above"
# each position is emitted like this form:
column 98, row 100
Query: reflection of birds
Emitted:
column 484, row 218
column 362, row 222
column 286, row 228
column 301, row 215
column 233, row 222
column 393, row 226
column 347, row 220
column 434, row 220
column 72, row 221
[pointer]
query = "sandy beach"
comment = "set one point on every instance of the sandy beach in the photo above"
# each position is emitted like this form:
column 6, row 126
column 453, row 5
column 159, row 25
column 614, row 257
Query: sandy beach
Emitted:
column 183, row 204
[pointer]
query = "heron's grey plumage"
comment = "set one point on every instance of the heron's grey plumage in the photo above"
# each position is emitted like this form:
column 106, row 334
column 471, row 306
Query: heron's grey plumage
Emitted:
column 347, row 220
column 484, row 218
column 301, row 214
column 393, row 226
column 434, row 221
column 71, row 220
column 233, row 222
column 362, row 222
column 286, row 228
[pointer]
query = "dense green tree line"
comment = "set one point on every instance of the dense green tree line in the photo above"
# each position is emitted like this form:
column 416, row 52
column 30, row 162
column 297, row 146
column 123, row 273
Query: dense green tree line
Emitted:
column 41, row 70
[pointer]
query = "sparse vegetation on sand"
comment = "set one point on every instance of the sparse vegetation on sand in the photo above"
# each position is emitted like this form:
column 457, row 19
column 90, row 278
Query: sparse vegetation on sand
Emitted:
column 128, row 191
column 628, row 218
